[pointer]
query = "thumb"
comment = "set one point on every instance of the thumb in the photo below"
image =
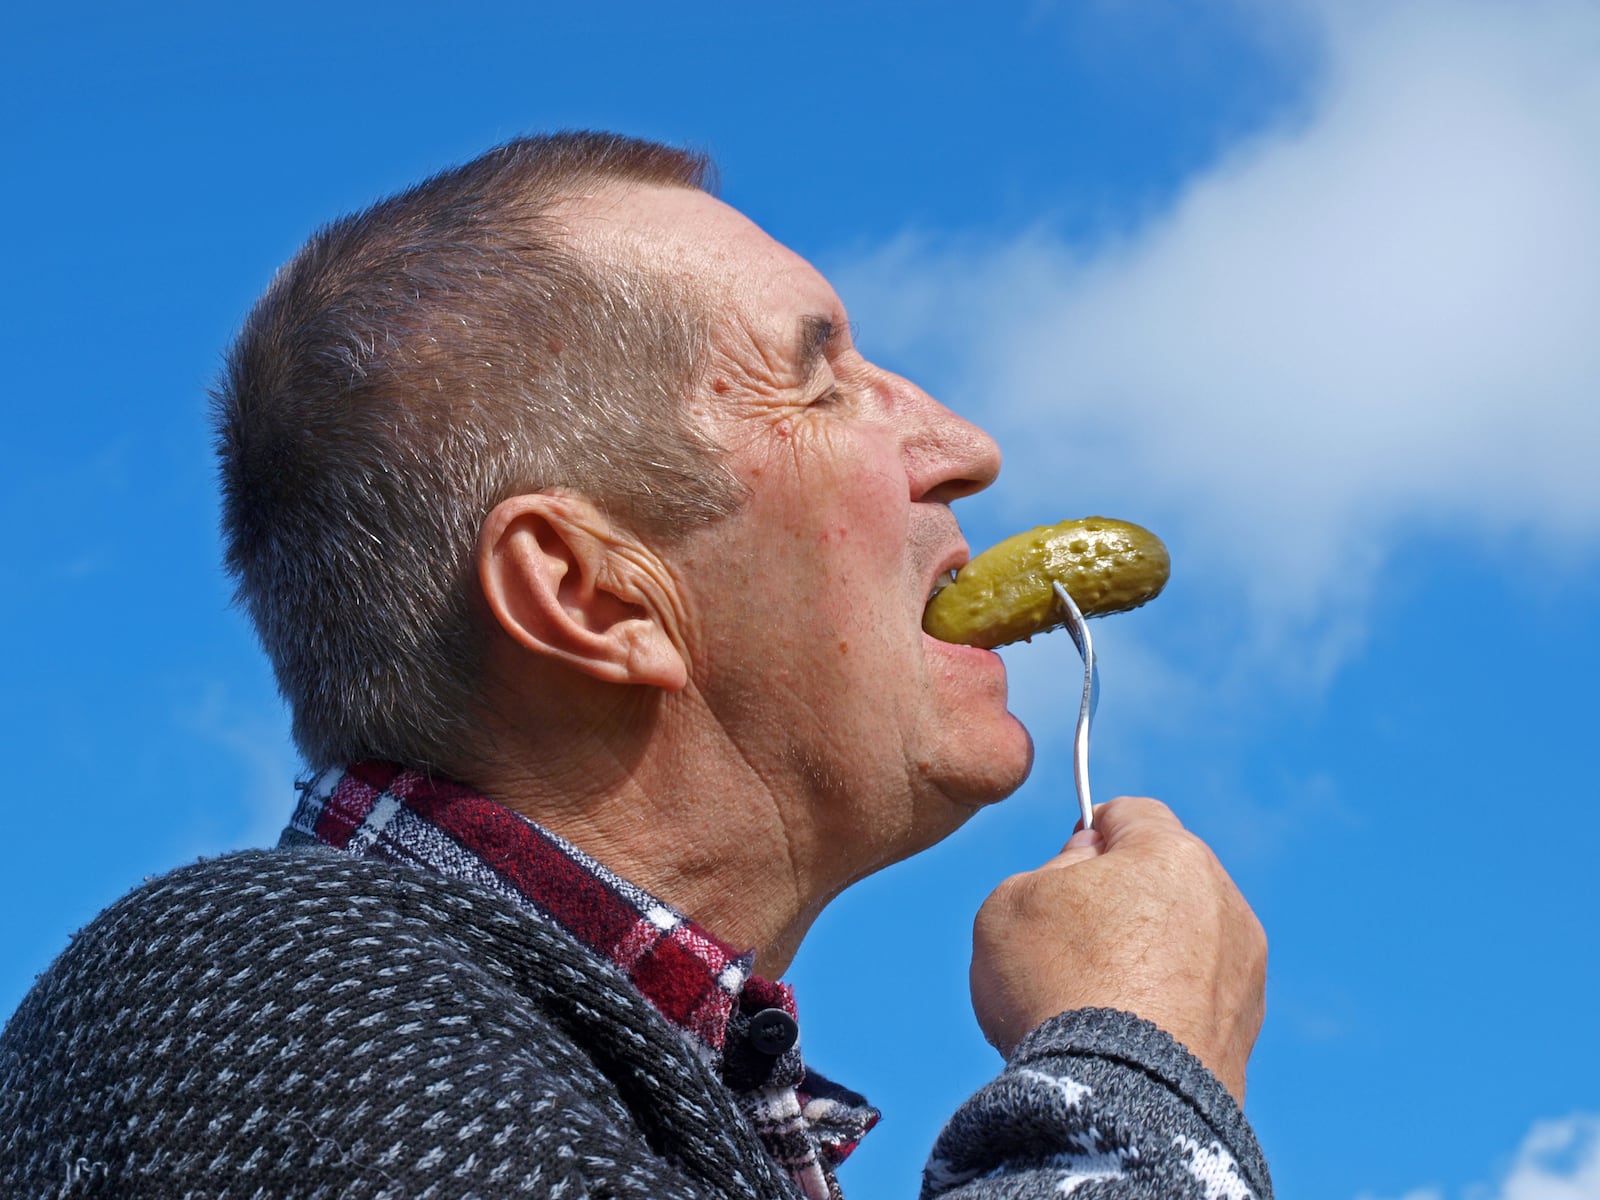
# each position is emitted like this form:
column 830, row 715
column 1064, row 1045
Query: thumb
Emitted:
column 1081, row 847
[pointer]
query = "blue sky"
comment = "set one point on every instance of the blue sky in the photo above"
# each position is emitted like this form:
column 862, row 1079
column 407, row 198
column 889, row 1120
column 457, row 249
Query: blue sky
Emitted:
column 1310, row 288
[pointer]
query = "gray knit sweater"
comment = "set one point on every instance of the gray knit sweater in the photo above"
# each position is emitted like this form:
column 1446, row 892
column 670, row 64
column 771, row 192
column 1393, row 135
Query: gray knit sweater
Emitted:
column 307, row 1023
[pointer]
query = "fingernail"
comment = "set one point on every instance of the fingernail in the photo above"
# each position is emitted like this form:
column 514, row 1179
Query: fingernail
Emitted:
column 1085, row 839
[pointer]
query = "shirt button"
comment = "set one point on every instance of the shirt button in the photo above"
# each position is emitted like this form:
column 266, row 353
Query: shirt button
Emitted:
column 773, row 1031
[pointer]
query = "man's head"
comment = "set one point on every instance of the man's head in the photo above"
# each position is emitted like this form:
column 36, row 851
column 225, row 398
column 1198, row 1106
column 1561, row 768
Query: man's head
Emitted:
column 600, row 491
column 798, row 616
column 413, row 365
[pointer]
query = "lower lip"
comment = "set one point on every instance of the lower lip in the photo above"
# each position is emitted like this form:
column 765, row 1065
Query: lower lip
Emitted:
column 975, row 653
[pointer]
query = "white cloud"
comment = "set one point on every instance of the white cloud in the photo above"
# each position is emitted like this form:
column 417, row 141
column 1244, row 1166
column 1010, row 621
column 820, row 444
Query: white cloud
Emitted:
column 1558, row 1160
column 1371, row 327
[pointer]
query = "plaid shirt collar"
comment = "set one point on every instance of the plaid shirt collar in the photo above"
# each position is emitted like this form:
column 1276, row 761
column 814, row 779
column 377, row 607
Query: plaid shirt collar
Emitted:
column 701, row 985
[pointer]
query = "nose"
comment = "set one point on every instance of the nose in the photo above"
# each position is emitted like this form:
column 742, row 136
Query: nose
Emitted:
column 947, row 456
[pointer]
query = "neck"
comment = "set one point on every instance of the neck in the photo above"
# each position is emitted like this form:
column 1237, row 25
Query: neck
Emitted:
column 687, row 819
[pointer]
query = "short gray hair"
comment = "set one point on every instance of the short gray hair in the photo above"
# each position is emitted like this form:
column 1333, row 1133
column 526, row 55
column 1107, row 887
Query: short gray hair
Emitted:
column 413, row 365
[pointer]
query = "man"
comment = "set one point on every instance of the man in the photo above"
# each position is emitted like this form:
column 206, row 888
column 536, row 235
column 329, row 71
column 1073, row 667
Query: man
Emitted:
column 591, row 556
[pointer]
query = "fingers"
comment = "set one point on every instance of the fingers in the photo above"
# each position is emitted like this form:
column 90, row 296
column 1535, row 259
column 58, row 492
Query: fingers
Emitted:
column 1125, row 821
column 1082, row 846
column 1130, row 820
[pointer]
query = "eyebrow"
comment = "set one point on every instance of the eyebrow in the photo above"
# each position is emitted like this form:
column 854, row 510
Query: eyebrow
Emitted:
column 817, row 333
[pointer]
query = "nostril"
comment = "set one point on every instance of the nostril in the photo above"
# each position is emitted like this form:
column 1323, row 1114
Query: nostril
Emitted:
column 947, row 457
column 956, row 489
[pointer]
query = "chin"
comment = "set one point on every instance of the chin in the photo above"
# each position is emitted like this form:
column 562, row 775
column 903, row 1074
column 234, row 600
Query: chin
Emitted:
column 965, row 790
column 996, row 765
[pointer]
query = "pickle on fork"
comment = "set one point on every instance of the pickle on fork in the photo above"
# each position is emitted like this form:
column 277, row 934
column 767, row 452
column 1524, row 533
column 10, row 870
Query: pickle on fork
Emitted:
column 1004, row 595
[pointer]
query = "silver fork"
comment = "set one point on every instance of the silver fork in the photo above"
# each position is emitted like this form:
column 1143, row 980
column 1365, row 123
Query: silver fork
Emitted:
column 1078, row 628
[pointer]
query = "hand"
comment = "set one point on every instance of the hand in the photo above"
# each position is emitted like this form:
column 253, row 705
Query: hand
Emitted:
column 1137, row 915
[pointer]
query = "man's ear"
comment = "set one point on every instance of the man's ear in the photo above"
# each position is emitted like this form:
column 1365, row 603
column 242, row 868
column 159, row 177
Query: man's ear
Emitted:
column 555, row 579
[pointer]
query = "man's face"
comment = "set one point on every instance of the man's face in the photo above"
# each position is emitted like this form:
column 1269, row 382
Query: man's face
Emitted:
column 802, row 613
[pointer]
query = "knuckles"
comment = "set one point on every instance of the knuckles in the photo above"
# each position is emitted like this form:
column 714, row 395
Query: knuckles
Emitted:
column 1173, row 875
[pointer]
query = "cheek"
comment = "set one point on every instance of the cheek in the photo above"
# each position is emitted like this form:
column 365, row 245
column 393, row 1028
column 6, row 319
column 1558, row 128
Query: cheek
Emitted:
column 854, row 476
column 828, row 523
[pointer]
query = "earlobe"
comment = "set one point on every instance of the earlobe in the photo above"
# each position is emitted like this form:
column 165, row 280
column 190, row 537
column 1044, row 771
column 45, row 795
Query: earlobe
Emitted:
column 555, row 583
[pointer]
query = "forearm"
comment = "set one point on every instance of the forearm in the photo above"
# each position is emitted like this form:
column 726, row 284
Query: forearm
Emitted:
column 1099, row 1103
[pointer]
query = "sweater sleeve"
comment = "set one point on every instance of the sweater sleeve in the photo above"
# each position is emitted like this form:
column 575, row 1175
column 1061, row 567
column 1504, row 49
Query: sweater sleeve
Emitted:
column 1098, row 1104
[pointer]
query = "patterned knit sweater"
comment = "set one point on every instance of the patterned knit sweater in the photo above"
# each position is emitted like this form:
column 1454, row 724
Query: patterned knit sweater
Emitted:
column 303, row 1023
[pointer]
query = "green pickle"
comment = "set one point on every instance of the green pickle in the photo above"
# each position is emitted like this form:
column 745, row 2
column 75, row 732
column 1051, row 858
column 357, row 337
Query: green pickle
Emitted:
column 1004, row 594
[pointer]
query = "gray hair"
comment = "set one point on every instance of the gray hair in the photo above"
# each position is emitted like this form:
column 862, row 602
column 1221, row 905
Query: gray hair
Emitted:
column 411, row 367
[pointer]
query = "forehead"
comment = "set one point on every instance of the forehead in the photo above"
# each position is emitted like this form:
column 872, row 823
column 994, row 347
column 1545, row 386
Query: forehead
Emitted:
column 718, row 253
